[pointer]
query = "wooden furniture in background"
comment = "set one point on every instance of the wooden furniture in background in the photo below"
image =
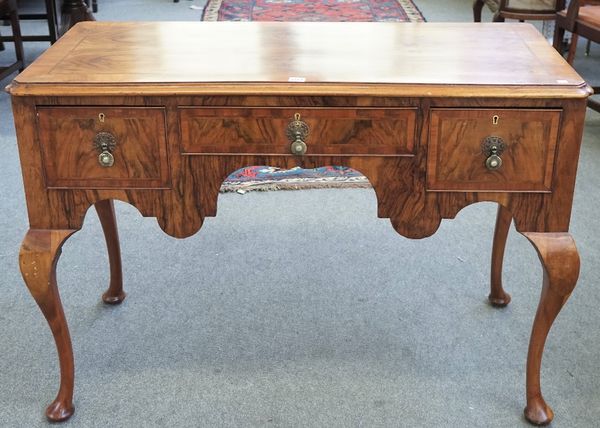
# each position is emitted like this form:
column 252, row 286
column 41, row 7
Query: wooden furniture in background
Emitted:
column 9, row 8
column 581, row 18
column 50, row 16
column 436, row 123
column 522, row 10
column 72, row 12
column 575, row 36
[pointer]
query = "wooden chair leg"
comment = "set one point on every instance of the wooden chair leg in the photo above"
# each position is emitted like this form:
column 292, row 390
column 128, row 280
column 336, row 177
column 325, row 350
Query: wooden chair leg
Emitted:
column 18, row 39
column 477, row 8
column 106, row 212
column 38, row 258
column 498, row 297
column 560, row 261
column 52, row 20
column 572, row 48
column 72, row 12
column 559, row 34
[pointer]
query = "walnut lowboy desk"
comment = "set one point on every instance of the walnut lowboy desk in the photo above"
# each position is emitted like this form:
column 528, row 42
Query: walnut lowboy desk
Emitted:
column 437, row 116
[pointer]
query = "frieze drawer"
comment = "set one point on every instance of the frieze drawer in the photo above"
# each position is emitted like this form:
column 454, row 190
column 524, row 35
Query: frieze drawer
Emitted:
column 103, row 147
column 315, row 131
column 492, row 149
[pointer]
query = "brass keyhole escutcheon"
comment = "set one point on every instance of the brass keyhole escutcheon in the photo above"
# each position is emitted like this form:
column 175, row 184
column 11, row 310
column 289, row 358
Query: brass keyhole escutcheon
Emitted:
column 105, row 143
column 297, row 131
column 492, row 147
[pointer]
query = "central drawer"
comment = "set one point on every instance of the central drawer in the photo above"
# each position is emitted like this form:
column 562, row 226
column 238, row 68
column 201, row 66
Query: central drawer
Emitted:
column 331, row 131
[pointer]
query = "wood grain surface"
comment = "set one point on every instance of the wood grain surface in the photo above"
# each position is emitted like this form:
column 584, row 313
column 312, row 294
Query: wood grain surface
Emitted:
column 108, row 220
column 38, row 257
column 560, row 261
column 456, row 160
column 348, row 131
column 498, row 297
column 310, row 57
column 400, row 182
column 66, row 136
column 406, row 105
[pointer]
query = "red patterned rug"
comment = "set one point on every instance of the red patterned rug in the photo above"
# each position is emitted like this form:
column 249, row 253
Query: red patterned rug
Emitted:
column 323, row 10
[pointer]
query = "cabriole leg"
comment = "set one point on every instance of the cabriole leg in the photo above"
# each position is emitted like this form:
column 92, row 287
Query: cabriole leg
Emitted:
column 106, row 212
column 39, row 254
column 498, row 297
column 560, row 262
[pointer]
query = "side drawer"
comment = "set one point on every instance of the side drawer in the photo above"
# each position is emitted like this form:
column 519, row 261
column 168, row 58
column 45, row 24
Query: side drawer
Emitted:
column 337, row 131
column 457, row 149
column 71, row 159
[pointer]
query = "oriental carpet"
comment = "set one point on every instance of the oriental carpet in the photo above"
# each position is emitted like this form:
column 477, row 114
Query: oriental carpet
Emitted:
column 311, row 10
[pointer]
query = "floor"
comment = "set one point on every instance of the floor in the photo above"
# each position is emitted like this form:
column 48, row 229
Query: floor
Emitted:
column 273, row 317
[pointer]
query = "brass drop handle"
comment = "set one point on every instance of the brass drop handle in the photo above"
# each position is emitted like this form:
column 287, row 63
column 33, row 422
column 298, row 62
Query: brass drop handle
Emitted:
column 493, row 162
column 106, row 159
column 105, row 143
column 492, row 147
column 298, row 147
column 297, row 132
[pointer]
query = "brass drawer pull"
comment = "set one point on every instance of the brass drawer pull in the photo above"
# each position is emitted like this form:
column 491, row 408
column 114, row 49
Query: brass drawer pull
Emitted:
column 492, row 147
column 494, row 161
column 297, row 132
column 105, row 143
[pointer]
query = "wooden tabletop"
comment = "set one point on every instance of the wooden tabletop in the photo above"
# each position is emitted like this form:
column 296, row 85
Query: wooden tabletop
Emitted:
column 275, row 57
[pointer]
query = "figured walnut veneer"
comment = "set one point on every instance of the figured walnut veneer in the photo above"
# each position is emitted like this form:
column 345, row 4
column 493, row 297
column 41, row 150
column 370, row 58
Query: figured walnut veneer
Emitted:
column 349, row 131
column 455, row 149
column 66, row 136
column 408, row 105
